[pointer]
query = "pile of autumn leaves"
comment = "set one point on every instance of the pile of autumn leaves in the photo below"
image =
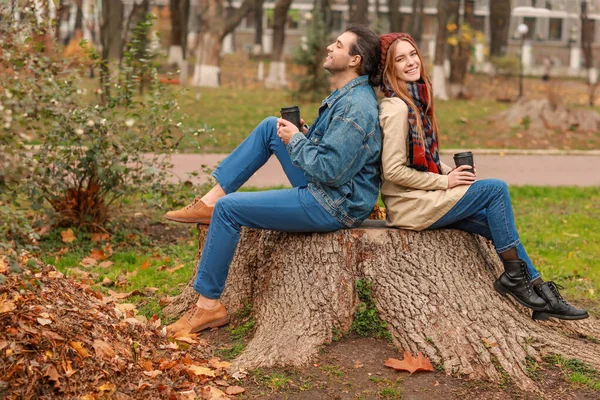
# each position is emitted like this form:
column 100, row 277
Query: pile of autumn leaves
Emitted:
column 61, row 339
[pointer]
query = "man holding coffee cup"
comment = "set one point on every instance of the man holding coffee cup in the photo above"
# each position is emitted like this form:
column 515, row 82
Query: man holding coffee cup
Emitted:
column 333, row 167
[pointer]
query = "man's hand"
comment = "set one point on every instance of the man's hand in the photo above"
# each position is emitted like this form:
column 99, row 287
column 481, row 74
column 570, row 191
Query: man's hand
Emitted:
column 304, row 129
column 460, row 176
column 286, row 129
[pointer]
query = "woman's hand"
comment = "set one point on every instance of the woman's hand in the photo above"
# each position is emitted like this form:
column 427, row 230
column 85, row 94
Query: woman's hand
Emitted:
column 460, row 176
column 285, row 130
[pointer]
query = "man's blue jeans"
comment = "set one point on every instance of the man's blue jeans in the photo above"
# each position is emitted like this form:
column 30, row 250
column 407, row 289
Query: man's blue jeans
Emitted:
column 486, row 210
column 288, row 210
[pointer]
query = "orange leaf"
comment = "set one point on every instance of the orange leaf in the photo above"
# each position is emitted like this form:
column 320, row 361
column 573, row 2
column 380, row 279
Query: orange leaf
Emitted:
column 175, row 268
column 201, row 371
column 103, row 349
column 88, row 262
column 3, row 265
column 53, row 375
column 410, row 364
column 97, row 255
column 98, row 237
column 233, row 390
column 79, row 349
column 145, row 265
column 67, row 236
column 212, row 393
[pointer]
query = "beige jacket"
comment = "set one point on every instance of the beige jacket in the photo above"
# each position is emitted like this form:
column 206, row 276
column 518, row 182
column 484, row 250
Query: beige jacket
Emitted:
column 413, row 199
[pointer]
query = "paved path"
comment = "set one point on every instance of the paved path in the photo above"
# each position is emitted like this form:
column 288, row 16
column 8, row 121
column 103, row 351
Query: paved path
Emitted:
column 539, row 168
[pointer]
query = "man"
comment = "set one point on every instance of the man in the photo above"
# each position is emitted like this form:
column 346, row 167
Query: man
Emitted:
column 333, row 168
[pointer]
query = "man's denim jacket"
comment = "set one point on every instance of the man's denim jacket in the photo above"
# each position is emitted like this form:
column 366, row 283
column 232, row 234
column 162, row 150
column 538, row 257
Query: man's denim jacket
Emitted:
column 340, row 154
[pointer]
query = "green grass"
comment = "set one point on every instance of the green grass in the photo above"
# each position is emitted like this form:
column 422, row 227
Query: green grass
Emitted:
column 366, row 317
column 576, row 371
column 228, row 116
column 559, row 229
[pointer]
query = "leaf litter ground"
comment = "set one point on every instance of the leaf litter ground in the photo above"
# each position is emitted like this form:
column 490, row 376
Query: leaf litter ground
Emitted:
column 61, row 339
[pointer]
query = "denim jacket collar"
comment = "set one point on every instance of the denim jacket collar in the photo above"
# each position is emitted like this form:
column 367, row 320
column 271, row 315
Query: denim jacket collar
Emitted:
column 337, row 93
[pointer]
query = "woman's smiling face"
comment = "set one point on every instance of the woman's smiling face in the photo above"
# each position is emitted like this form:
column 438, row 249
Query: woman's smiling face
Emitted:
column 408, row 63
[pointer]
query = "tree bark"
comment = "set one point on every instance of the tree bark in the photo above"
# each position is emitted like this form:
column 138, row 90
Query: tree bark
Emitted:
column 395, row 16
column 432, row 288
column 499, row 24
column 276, row 77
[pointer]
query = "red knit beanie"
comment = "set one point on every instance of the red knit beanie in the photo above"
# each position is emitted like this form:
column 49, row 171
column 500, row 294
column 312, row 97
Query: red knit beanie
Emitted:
column 387, row 40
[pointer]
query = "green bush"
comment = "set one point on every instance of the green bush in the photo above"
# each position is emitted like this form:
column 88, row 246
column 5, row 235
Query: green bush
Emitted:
column 92, row 154
column 506, row 65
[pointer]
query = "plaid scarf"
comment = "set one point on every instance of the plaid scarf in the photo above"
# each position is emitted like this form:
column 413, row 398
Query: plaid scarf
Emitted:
column 421, row 156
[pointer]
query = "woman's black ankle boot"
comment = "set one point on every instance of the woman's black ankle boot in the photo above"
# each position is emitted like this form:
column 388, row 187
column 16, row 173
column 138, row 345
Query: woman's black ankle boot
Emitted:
column 556, row 306
column 515, row 281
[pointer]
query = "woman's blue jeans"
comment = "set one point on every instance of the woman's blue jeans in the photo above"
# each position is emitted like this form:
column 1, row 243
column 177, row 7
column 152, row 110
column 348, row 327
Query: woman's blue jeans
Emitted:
column 288, row 210
column 485, row 209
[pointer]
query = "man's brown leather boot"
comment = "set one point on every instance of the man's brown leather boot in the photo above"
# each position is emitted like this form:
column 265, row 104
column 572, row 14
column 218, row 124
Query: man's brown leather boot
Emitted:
column 195, row 213
column 197, row 319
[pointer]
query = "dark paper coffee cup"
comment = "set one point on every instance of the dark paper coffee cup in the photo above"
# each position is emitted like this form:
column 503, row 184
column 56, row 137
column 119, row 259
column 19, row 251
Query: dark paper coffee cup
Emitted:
column 292, row 114
column 464, row 158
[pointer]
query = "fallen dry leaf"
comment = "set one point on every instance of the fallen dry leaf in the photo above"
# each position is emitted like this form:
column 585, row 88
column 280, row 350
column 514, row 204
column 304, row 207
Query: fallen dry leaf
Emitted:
column 410, row 363
column 358, row 364
column 187, row 395
column 488, row 343
column 53, row 375
column 97, row 254
column 103, row 349
column 218, row 364
column 222, row 382
column 3, row 265
column 68, row 236
column 175, row 268
column 233, row 390
column 108, row 387
column 44, row 321
column 145, row 265
column 201, row 371
column 152, row 374
column 212, row 393
column 105, row 264
column 79, row 349
column 88, row 262
column 6, row 305
column 98, row 237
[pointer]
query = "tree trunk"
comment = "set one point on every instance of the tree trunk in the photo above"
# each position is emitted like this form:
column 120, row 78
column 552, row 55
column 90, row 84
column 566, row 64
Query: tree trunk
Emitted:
column 499, row 24
column 439, row 77
column 432, row 288
column 276, row 77
column 178, row 41
column 359, row 11
column 258, row 23
column 111, row 28
column 460, row 54
column 213, row 29
column 111, row 40
column 416, row 30
column 395, row 16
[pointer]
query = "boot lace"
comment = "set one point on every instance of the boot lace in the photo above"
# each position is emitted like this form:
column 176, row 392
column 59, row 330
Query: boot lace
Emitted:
column 554, row 287
column 190, row 313
column 526, row 278
column 194, row 204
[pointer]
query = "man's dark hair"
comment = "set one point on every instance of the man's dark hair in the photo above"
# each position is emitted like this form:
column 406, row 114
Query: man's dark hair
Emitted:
column 368, row 48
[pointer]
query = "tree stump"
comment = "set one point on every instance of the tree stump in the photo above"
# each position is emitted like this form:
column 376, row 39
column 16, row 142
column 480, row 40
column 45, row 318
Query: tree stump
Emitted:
column 432, row 288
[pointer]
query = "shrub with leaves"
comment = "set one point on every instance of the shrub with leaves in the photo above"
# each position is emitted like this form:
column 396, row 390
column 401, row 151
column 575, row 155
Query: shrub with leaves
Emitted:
column 92, row 153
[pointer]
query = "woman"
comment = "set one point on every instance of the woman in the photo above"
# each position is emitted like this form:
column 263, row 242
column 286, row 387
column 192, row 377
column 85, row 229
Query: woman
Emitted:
column 420, row 192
